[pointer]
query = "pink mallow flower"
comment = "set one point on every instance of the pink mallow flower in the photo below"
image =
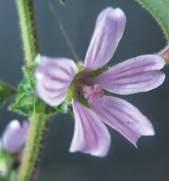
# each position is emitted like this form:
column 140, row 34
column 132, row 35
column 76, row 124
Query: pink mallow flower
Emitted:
column 14, row 136
column 87, row 85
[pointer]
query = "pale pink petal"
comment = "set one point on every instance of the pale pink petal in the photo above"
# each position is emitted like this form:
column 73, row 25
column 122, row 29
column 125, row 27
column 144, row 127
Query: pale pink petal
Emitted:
column 54, row 76
column 123, row 117
column 139, row 74
column 90, row 134
column 14, row 136
column 108, row 32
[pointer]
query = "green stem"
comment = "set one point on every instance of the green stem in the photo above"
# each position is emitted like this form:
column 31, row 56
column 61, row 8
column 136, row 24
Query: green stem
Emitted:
column 28, row 29
column 38, row 127
column 38, row 121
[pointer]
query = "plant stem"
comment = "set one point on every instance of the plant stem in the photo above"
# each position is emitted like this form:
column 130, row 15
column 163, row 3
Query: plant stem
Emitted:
column 39, row 121
column 33, row 148
column 28, row 29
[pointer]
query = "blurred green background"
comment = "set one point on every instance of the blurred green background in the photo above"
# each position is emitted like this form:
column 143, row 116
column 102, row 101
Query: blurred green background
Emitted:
column 150, row 162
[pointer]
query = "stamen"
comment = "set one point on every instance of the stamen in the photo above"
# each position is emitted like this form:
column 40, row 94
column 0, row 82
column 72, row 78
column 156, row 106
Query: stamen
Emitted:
column 92, row 92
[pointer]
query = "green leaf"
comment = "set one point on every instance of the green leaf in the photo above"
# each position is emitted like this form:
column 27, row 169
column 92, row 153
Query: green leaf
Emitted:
column 159, row 9
column 6, row 92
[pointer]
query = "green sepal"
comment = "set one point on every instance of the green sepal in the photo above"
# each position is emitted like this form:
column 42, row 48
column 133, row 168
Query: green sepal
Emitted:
column 98, row 71
column 6, row 92
column 159, row 9
column 83, row 101
column 26, row 97
column 24, row 104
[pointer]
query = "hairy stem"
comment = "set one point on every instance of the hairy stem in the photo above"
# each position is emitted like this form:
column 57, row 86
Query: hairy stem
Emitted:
column 33, row 148
column 28, row 29
column 39, row 121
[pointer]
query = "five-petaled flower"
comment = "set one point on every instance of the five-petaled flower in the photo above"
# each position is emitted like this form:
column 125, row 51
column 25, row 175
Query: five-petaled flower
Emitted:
column 89, row 84
column 14, row 136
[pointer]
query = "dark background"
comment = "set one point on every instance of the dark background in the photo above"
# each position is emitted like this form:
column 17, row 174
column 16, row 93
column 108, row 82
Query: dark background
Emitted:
column 150, row 162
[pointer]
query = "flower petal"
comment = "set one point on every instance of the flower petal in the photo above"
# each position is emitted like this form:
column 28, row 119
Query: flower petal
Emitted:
column 139, row 74
column 90, row 134
column 108, row 32
column 123, row 117
column 14, row 136
column 54, row 76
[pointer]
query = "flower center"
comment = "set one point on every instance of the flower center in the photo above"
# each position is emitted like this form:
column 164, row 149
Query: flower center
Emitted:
column 84, row 89
column 92, row 92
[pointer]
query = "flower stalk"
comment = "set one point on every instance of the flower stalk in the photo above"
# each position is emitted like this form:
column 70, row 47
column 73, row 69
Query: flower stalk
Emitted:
column 39, row 120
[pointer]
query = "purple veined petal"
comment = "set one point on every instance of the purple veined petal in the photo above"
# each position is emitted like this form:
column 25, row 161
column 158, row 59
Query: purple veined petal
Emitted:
column 123, row 117
column 108, row 32
column 14, row 136
column 139, row 74
column 90, row 134
column 54, row 76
